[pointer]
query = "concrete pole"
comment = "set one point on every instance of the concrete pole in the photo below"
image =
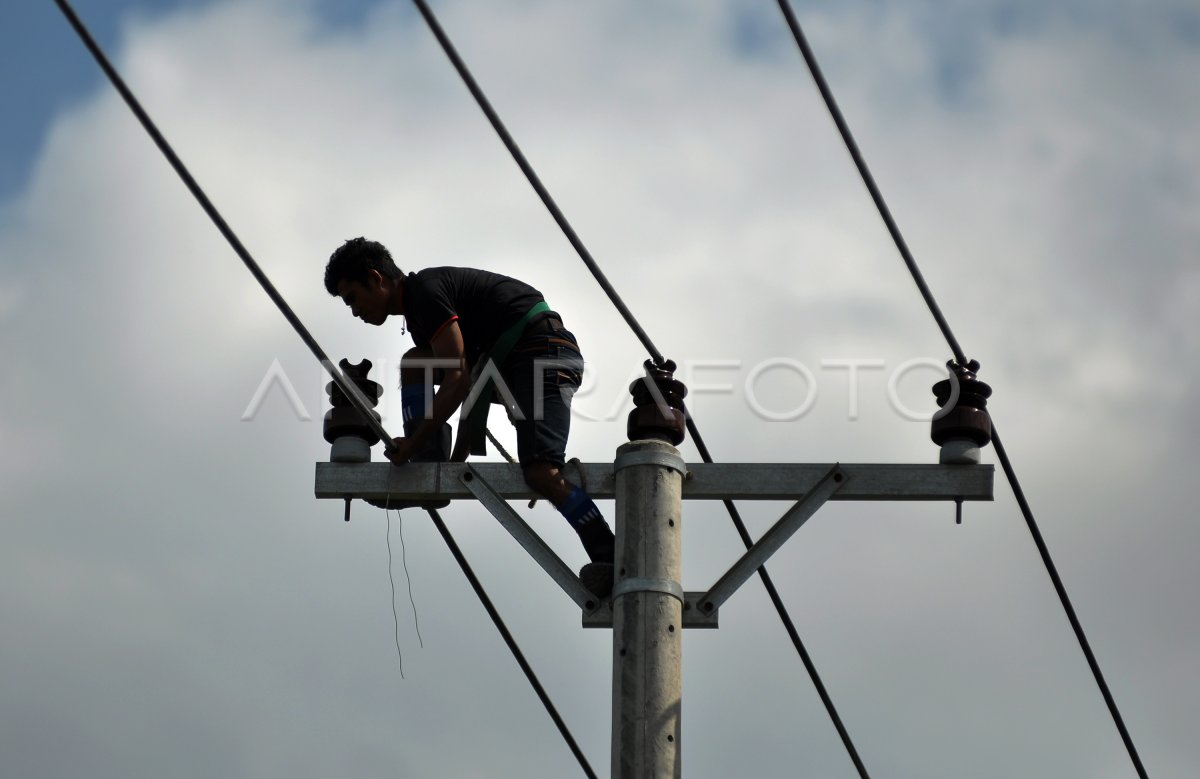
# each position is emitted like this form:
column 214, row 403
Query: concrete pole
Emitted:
column 647, row 604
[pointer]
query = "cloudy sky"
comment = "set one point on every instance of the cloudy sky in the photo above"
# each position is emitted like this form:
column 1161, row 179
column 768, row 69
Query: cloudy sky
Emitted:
column 173, row 600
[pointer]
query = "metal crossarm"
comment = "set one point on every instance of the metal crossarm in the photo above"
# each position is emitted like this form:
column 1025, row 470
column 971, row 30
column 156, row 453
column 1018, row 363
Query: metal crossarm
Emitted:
column 530, row 541
column 811, row 484
column 705, row 481
column 757, row 555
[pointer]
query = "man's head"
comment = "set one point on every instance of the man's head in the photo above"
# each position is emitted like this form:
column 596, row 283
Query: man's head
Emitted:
column 363, row 274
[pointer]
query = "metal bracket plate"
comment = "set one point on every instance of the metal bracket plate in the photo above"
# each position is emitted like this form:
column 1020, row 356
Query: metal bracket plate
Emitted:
column 693, row 617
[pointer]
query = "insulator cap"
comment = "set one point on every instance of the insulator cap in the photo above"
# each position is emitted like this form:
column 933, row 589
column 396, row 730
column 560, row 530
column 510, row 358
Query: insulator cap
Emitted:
column 356, row 373
column 650, row 418
column 967, row 419
column 344, row 419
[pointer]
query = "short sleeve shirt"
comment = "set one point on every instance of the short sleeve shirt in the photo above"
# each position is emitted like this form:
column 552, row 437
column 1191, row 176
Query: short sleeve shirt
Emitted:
column 484, row 304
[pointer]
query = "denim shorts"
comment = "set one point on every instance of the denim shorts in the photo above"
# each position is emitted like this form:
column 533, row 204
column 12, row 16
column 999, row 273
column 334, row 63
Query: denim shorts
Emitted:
column 542, row 372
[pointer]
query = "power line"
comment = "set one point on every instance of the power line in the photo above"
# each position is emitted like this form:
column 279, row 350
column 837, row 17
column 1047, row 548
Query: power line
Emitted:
column 1061, row 589
column 877, row 196
column 786, row 619
column 357, row 400
column 534, row 181
column 1044, row 551
column 351, row 390
column 512, row 644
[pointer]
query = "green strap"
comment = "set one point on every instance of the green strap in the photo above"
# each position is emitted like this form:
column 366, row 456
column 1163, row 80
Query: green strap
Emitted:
column 477, row 419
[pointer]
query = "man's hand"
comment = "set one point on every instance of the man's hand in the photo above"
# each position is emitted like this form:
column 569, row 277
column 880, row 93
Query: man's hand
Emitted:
column 401, row 452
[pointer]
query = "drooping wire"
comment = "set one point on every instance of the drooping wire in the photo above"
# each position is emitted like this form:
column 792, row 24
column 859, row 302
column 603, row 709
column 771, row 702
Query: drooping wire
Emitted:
column 655, row 355
column 395, row 617
column 408, row 578
column 1044, row 551
column 387, row 513
column 512, row 644
column 352, row 391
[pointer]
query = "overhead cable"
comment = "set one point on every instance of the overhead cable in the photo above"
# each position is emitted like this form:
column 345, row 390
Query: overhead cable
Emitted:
column 536, row 182
column 1061, row 589
column 351, row 390
column 869, row 180
column 959, row 356
column 511, row 642
column 786, row 619
column 498, row 125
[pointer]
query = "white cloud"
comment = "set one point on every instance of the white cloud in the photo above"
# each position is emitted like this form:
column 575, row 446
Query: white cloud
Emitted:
column 146, row 521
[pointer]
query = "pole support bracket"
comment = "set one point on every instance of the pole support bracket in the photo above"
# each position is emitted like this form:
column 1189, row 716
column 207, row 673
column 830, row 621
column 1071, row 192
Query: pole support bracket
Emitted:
column 530, row 541
column 757, row 555
column 664, row 459
column 642, row 584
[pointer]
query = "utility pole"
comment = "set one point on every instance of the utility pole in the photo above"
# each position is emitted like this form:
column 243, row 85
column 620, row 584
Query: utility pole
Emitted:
column 647, row 604
column 647, row 597
column 648, row 608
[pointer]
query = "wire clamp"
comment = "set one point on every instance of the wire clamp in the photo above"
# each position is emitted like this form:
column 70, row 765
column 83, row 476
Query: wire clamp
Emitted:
column 666, row 460
column 638, row 584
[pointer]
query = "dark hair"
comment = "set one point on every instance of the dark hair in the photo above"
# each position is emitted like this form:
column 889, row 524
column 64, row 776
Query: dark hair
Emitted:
column 353, row 259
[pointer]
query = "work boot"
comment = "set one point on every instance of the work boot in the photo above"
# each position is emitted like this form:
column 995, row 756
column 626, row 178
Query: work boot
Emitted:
column 598, row 578
column 598, row 542
column 435, row 450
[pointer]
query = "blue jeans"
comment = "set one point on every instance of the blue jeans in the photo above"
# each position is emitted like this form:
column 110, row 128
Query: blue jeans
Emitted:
column 543, row 372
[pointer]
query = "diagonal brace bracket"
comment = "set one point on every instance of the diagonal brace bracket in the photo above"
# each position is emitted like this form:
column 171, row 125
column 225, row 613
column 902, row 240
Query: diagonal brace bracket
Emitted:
column 757, row 555
column 530, row 541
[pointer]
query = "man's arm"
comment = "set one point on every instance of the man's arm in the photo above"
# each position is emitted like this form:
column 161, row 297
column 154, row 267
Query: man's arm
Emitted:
column 456, row 383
